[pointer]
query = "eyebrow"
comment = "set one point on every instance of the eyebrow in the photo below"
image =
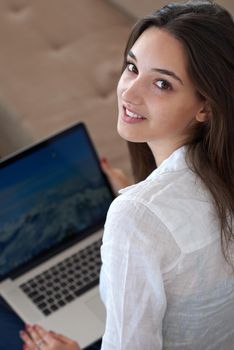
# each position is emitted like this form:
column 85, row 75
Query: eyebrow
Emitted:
column 159, row 70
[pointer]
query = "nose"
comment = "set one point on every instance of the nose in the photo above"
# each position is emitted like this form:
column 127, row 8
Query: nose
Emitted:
column 133, row 92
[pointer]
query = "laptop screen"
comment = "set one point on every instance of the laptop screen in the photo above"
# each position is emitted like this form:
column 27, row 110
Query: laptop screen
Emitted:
column 52, row 194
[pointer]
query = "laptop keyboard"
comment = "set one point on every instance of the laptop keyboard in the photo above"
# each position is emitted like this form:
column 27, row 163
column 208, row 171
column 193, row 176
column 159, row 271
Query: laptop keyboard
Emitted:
column 65, row 281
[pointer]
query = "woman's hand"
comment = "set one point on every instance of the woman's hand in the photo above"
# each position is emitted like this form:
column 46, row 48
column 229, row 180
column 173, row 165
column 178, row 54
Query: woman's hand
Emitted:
column 37, row 338
column 116, row 176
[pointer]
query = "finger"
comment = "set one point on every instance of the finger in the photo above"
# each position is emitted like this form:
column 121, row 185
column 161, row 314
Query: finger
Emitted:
column 62, row 338
column 28, row 341
column 44, row 334
column 55, row 339
column 34, row 334
column 106, row 167
column 41, row 331
column 116, row 176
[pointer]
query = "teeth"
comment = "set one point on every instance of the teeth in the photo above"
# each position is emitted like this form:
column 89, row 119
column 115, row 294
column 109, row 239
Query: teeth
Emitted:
column 133, row 115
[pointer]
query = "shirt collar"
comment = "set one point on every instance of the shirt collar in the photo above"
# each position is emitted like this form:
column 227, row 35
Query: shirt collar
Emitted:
column 175, row 162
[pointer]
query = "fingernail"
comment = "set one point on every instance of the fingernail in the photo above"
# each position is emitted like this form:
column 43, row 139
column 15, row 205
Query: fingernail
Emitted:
column 21, row 333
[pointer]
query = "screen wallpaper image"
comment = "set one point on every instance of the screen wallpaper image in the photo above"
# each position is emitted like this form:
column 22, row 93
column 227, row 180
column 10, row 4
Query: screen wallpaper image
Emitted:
column 54, row 193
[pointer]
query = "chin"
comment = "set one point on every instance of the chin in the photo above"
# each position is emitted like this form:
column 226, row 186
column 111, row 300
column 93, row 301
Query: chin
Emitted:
column 128, row 135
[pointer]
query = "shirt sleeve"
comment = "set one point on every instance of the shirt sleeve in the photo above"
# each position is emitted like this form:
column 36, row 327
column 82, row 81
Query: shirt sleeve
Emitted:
column 131, row 282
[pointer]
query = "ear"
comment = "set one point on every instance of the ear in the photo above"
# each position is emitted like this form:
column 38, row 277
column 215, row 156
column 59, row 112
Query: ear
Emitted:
column 204, row 114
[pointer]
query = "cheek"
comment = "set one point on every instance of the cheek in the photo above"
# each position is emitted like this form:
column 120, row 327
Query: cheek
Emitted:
column 123, row 84
column 120, row 86
column 119, row 96
column 188, row 111
column 120, row 90
column 182, row 109
column 172, row 114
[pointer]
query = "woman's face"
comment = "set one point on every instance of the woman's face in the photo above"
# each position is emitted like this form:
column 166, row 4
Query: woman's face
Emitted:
column 157, row 101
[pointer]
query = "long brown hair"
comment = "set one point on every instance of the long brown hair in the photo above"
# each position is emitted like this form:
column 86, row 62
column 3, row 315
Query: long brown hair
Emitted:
column 206, row 31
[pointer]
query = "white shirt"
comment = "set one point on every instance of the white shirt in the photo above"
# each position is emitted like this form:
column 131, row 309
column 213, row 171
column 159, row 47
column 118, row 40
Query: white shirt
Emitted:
column 164, row 281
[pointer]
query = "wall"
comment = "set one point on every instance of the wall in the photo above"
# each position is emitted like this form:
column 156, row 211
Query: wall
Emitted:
column 139, row 8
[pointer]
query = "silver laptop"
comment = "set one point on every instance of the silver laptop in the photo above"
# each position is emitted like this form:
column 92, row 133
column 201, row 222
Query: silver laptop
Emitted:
column 53, row 204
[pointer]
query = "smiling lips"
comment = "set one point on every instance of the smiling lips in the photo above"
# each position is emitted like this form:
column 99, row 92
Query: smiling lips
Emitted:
column 132, row 117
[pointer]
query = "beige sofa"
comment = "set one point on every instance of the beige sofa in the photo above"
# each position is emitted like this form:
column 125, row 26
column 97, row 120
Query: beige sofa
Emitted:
column 138, row 8
column 60, row 61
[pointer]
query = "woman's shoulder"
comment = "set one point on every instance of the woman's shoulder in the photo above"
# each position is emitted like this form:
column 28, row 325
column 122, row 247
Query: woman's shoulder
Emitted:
column 133, row 228
column 177, row 201
column 162, row 186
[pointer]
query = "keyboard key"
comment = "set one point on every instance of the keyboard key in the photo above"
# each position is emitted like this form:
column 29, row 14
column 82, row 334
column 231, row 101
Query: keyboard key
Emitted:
column 54, row 307
column 46, row 312
column 42, row 305
column 65, row 281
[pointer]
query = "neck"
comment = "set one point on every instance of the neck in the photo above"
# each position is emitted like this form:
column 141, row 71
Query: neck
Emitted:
column 161, row 151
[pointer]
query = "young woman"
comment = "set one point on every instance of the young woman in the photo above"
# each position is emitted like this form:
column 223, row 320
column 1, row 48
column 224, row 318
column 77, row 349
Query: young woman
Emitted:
column 167, row 278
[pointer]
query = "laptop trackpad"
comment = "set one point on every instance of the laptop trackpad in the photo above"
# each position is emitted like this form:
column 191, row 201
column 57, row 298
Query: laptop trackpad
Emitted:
column 97, row 307
column 77, row 321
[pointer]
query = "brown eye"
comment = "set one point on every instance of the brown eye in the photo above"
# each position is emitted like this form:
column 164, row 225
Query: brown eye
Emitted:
column 131, row 67
column 163, row 84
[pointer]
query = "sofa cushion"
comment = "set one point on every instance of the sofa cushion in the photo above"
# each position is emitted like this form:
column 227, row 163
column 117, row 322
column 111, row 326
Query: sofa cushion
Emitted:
column 59, row 63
